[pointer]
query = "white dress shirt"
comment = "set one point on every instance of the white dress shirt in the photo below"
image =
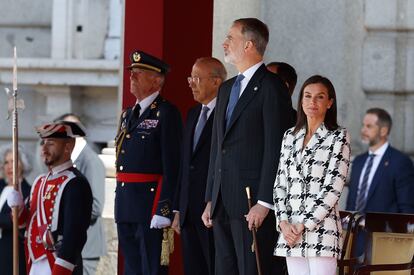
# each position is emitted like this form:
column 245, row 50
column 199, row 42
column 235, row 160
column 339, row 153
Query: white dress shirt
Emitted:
column 379, row 153
column 146, row 102
column 248, row 74
column 211, row 105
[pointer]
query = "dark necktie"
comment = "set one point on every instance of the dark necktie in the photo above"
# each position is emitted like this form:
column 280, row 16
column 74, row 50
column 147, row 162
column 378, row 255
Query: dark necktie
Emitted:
column 234, row 97
column 362, row 193
column 200, row 126
column 134, row 116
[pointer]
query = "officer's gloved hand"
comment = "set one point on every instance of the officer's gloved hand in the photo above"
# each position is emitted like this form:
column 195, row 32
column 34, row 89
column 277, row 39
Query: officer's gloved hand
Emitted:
column 15, row 198
column 159, row 222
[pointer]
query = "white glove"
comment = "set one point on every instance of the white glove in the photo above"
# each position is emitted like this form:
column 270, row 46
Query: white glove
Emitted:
column 159, row 222
column 15, row 198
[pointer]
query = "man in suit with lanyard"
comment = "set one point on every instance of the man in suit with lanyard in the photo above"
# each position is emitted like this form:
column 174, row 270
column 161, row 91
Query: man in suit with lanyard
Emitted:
column 147, row 164
column 382, row 179
column 197, row 241
column 252, row 113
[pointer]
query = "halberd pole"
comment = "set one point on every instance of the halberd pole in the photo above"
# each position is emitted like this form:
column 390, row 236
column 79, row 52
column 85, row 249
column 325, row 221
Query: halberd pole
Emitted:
column 15, row 210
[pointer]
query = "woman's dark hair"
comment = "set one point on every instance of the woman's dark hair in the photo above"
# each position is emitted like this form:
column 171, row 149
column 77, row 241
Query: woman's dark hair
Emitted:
column 330, row 116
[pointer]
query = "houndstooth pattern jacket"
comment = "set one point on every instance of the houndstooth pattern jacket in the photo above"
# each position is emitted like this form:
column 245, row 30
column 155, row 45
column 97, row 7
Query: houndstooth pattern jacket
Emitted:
column 307, row 188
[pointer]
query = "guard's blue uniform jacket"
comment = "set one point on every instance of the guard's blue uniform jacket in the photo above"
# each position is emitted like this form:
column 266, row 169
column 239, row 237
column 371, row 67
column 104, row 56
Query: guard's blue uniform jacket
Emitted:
column 148, row 157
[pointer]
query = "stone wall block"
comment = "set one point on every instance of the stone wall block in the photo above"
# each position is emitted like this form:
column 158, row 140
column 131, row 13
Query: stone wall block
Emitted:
column 389, row 14
column 30, row 42
column 380, row 14
column 410, row 65
column 26, row 13
column 378, row 62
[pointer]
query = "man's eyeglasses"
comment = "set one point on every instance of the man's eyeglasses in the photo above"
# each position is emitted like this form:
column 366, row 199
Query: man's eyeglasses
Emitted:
column 196, row 79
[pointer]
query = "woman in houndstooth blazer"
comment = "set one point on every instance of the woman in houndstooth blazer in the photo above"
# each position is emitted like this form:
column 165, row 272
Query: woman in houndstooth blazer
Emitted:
column 312, row 170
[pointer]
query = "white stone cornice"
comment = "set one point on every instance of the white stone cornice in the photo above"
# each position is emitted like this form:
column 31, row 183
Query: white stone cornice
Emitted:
column 65, row 72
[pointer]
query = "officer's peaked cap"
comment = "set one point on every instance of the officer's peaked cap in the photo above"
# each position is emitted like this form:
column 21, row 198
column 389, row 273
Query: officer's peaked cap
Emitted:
column 140, row 59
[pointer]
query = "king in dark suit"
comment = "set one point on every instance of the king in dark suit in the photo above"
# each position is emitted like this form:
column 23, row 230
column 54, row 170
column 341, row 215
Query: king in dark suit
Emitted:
column 252, row 113
column 382, row 180
column 147, row 164
column 197, row 241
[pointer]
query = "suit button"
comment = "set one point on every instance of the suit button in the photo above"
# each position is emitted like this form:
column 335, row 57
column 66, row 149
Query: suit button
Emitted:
column 192, row 167
column 219, row 170
column 128, row 136
column 122, row 184
column 143, row 137
column 301, row 208
column 223, row 151
column 152, row 189
column 121, row 167
column 74, row 165
column 122, row 151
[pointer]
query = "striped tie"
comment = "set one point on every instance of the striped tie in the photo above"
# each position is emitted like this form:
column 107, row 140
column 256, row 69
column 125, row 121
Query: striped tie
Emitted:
column 362, row 193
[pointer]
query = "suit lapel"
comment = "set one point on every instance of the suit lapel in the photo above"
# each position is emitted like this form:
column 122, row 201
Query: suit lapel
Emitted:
column 314, row 143
column 298, row 144
column 357, row 170
column 192, row 123
column 382, row 168
column 205, row 133
column 248, row 94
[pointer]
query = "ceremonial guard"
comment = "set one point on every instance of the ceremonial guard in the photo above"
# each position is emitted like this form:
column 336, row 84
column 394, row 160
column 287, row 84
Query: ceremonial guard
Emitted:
column 148, row 156
column 58, row 212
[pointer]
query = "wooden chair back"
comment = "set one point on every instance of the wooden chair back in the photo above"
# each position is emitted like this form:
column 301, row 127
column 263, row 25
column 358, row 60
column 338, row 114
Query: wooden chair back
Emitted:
column 389, row 245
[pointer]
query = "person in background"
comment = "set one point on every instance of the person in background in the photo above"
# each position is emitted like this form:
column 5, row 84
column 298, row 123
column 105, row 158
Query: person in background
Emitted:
column 286, row 72
column 147, row 163
column 6, row 223
column 253, row 111
column 58, row 212
column 87, row 161
column 313, row 167
column 382, row 179
column 197, row 241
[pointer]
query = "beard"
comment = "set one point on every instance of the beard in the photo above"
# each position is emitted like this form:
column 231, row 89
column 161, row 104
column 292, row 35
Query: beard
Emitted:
column 370, row 141
column 233, row 57
column 49, row 160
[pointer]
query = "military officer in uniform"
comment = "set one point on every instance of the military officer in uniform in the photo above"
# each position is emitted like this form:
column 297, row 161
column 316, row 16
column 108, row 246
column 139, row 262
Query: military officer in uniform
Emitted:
column 148, row 155
column 59, row 209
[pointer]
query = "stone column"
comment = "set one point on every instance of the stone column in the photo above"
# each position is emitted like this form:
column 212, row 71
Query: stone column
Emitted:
column 113, row 40
column 62, row 21
column 388, row 65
